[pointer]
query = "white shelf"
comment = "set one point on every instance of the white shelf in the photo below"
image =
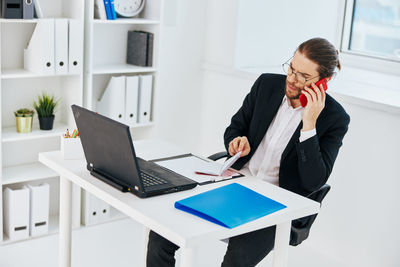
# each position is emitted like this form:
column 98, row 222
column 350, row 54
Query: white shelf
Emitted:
column 121, row 68
column 26, row 172
column 126, row 21
column 142, row 125
column 53, row 229
column 22, row 73
column 10, row 134
column 19, row 20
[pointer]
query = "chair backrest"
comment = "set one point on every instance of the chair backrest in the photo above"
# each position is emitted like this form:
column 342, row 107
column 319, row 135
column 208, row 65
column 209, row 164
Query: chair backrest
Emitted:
column 320, row 194
column 301, row 227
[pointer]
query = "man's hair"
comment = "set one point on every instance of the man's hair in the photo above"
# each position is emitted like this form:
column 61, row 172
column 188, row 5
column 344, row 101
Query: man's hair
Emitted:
column 322, row 52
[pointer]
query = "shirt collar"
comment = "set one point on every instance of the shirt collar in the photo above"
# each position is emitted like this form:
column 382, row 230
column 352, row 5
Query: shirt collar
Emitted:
column 286, row 101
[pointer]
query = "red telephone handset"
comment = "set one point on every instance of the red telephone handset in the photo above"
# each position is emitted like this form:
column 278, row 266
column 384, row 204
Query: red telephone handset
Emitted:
column 303, row 98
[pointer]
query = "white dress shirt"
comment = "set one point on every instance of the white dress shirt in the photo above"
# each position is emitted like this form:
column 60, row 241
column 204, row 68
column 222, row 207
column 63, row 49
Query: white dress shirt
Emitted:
column 266, row 160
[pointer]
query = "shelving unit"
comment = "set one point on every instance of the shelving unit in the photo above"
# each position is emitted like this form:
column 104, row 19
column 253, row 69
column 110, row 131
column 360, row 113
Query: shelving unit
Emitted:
column 22, row 73
column 121, row 68
column 26, row 172
column 127, row 21
column 106, row 50
column 19, row 88
column 53, row 229
column 11, row 135
column 104, row 54
column 18, row 21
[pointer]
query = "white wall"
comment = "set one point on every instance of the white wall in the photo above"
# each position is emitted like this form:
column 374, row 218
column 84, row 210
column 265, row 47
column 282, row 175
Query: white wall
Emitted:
column 358, row 226
column 264, row 24
column 178, row 99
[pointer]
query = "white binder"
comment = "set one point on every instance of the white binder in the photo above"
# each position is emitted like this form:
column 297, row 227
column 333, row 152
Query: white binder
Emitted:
column 88, row 211
column 75, row 39
column 99, row 10
column 112, row 103
column 93, row 209
column 39, row 55
column 38, row 9
column 104, row 210
column 39, row 207
column 145, row 88
column 16, row 213
column 61, row 45
column 131, row 100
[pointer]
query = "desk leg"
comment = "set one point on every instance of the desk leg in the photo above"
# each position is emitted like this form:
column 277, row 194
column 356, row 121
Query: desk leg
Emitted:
column 281, row 247
column 186, row 257
column 65, row 222
column 145, row 240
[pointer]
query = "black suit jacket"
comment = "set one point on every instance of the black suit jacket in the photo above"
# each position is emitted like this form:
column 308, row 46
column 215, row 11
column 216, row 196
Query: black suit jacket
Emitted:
column 305, row 166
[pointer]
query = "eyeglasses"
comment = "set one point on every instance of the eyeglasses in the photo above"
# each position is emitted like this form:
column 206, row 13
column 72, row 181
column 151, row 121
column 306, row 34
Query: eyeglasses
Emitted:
column 299, row 76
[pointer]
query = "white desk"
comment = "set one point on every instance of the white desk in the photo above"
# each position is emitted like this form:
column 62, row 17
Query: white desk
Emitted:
column 158, row 213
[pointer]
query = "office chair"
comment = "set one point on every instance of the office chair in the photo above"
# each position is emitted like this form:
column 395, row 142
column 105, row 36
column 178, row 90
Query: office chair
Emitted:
column 300, row 227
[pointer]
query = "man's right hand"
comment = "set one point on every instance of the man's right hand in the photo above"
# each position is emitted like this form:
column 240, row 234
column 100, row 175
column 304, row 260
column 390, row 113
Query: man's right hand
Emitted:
column 240, row 143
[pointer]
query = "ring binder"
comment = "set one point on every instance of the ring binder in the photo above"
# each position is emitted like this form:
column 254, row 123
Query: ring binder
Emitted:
column 39, row 209
column 145, row 91
column 16, row 213
column 112, row 102
column 39, row 55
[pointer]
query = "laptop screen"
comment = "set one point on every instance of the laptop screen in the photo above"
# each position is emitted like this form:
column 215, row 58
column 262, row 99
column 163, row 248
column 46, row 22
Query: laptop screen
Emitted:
column 107, row 145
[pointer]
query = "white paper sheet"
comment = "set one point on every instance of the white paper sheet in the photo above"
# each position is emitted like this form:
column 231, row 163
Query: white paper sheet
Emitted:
column 187, row 166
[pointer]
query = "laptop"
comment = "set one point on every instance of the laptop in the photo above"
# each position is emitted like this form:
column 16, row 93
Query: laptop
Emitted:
column 111, row 157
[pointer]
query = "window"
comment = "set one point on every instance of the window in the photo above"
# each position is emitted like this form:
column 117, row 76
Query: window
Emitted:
column 372, row 28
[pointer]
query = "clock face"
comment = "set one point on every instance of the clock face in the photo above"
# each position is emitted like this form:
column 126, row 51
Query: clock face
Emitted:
column 128, row 8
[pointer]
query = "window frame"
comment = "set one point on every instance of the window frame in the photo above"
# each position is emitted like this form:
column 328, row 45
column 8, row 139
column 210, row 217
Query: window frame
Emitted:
column 360, row 59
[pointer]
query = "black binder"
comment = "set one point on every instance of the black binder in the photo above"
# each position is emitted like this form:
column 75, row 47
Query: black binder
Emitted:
column 11, row 9
column 140, row 48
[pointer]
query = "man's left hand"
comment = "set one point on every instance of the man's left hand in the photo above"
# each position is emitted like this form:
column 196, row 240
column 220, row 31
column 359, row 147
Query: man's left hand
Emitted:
column 314, row 107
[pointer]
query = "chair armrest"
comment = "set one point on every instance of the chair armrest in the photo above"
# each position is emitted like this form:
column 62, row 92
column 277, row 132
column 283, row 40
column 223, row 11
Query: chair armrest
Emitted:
column 319, row 195
column 218, row 155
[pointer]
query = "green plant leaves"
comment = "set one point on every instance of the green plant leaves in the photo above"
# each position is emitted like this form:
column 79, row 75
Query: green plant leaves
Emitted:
column 24, row 112
column 45, row 105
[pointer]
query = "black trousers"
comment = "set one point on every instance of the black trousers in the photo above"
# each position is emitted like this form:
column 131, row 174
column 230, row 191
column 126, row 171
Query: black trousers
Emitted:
column 243, row 250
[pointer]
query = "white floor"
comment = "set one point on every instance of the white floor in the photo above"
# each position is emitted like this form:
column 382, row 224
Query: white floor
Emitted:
column 117, row 244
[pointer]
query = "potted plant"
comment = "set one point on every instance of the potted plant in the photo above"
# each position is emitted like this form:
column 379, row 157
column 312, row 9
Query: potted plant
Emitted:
column 45, row 107
column 24, row 118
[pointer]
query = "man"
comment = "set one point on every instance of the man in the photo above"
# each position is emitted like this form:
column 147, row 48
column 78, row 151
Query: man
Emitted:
column 282, row 142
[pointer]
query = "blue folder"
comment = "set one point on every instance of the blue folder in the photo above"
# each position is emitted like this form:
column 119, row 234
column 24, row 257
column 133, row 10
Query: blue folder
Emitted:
column 112, row 10
column 230, row 205
column 108, row 9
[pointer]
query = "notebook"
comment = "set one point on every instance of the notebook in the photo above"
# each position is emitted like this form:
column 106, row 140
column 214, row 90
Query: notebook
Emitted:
column 216, row 169
column 230, row 205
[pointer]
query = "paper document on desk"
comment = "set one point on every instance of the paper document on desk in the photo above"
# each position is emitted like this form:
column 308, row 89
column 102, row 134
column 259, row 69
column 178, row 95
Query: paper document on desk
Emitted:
column 188, row 165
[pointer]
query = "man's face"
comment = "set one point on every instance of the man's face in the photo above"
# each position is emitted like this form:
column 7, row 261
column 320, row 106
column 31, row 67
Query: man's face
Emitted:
column 305, row 67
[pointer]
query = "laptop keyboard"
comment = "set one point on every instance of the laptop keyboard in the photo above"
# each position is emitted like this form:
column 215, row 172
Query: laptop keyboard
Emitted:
column 149, row 180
